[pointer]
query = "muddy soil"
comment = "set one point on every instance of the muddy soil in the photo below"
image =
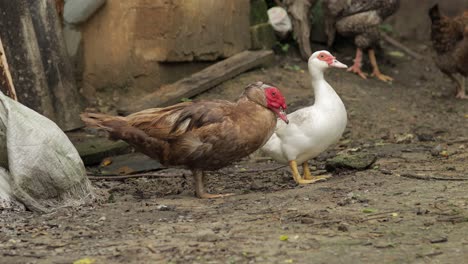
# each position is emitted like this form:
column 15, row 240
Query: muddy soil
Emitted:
column 411, row 206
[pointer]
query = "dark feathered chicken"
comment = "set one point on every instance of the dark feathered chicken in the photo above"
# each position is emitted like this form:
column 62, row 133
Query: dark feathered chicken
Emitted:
column 359, row 19
column 450, row 41
column 201, row 135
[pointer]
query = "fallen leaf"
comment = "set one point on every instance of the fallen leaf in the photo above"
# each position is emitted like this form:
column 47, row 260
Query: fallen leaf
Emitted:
column 386, row 27
column 368, row 210
column 405, row 138
column 84, row 261
column 293, row 67
column 289, row 261
column 397, row 54
column 394, row 214
column 106, row 162
column 284, row 238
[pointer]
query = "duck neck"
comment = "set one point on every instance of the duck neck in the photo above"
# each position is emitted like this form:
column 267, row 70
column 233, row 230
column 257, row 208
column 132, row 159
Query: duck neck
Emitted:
column 323, row 92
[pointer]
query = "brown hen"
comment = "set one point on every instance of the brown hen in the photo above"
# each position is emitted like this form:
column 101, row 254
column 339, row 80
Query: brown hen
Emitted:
column 449, row 38
column 359, row 19
column 200, row 135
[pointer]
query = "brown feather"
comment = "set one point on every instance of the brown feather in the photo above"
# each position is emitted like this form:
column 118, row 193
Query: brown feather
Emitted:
column 205, row 135
column 357, row 18
column 450, row 41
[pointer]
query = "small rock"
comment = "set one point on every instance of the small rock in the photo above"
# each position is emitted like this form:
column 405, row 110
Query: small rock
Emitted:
column 206, row 235
column 421, row 211
column 360, row 161
column 428, row 223
column 436, row 150
column 343, row 228
column 423, row 137
column 386, row 172
column 383, row 244
column 344, row 202
column 439, row 240
column 103, row 218
column 163, row 207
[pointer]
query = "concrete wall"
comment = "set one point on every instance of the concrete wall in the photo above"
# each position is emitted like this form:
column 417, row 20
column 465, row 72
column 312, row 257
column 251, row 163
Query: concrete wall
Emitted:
column 412, row 21
column 130, row 43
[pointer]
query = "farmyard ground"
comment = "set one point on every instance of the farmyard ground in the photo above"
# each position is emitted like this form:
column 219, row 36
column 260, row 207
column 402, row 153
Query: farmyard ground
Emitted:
column 410, row 207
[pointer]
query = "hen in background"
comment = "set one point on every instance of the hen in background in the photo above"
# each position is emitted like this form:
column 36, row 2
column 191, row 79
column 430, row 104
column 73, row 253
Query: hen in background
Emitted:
column 359, row 19
column 449, row 38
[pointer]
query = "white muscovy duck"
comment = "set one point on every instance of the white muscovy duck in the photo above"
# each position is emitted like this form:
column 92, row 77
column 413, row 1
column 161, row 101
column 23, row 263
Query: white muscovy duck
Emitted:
column 312, row 129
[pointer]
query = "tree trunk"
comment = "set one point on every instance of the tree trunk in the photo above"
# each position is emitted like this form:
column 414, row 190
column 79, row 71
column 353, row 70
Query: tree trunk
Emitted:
column 38, row 61
column 299, row 12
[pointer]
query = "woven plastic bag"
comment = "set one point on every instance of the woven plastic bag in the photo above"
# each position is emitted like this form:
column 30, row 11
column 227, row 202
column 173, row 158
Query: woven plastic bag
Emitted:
column 39, row 166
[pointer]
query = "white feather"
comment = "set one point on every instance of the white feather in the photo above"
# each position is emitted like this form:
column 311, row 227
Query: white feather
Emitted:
column 313, row 129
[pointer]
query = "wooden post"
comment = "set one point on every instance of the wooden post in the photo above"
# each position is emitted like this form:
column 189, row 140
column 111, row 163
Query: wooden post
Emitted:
column 37, row 58
column 6, row 83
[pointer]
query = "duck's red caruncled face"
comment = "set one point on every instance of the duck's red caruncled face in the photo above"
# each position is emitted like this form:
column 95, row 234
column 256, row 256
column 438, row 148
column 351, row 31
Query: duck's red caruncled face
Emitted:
column 276, row 102
column 328, row 58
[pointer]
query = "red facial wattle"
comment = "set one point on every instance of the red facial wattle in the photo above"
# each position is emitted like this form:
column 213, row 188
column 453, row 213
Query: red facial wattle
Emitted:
column 331, row 60
column 326, row 58
column 276, row 102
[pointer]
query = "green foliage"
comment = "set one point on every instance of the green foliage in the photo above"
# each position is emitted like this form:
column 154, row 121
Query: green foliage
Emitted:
column 386, row 28
column 284, row 47
column 292, row 67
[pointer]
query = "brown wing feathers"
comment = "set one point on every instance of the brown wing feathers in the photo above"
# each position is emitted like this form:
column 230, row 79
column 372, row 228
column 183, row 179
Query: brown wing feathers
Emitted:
column 102, row 121
column 151, row 130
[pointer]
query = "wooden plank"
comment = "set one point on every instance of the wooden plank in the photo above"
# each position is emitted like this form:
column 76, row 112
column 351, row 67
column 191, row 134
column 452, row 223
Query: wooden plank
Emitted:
column 201, row 81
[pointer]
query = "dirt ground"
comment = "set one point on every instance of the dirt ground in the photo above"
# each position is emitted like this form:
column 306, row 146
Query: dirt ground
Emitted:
column 411, row 206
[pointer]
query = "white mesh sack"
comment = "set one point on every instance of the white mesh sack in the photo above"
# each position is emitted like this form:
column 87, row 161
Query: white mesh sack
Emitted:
column 39, row 166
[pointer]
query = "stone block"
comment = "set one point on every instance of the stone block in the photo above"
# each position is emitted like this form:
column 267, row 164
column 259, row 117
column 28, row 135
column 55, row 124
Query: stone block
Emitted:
column 263, row 36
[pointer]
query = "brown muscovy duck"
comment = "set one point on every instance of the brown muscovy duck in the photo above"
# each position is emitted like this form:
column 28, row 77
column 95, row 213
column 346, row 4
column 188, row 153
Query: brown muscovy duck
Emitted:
column 359, row 19
column 449, row 36
column 200, row 135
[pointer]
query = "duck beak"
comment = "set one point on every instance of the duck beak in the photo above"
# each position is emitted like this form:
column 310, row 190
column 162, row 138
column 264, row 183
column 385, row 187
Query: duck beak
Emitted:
column 282, row 114
column 335, row 63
